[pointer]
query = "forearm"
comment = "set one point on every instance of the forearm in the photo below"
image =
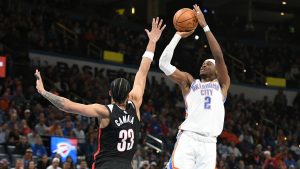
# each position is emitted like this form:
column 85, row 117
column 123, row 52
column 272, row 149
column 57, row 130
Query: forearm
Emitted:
column 151, row 46
column 147, row 59
column 214, row 46
column 144, row 67
column 57, row 101
column 167, row 55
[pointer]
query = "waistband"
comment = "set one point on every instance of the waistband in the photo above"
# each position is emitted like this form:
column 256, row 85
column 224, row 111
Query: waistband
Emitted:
column 198, row 136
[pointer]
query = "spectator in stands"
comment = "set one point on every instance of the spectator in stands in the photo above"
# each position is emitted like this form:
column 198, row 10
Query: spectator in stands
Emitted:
column 234, row 150
column 31, row 165
column 19, row 164
column 4, row 164
column 241, row 165
column 231, row 160
column 29, row 118
column 41, row 128
column 79, row 134
column 22, row 146
column 71, row 165
column 58, row 131
column 43, row 162
column 280, row 101
column 67, row 165
column 257, row 159
column 14, row 135
column 25, row 128
column 290, row 161
column 222, row 165
column 38, row 148
column 68, row 129
column 18, row 97
column 4, row 136
column 27, row 157
column 55, row 125
column 55, row 164
column 31, row 137
column 14, row 118
column 5, row 100
column 268, row 163
column 83, row 165
column 145, row 165
column 153, row 165
column 278, row 161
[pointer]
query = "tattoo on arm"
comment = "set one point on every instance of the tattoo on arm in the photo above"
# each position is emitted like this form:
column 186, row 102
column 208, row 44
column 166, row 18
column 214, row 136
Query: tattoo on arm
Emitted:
column 56, row 100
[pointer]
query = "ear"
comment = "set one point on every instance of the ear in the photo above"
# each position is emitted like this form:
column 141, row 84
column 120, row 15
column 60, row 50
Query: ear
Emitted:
column 109, row 93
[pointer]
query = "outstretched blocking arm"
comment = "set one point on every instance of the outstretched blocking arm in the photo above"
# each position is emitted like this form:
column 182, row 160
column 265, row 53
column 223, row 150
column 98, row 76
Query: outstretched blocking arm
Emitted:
column 137, row 92
column 66, row 105
column 183, row 79
column 222, row 72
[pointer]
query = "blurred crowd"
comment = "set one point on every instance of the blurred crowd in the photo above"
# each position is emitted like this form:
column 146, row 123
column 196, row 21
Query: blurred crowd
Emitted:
column 257, row 134
column 261, row 134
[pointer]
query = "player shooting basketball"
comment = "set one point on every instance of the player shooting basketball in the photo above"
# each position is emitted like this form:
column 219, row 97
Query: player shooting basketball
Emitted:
column 119, row 121
column 204, row 97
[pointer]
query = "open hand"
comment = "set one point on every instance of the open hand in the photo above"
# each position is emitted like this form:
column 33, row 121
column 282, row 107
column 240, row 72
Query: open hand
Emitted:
column 39, row 82
column 200, row 16
column 156, row 30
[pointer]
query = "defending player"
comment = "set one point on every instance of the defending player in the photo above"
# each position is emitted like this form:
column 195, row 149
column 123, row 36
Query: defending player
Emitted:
column 120, row 120
column 204, row 98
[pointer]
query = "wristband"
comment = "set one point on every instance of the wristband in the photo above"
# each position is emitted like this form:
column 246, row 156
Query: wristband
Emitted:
column 149, row 55
column 206, row 28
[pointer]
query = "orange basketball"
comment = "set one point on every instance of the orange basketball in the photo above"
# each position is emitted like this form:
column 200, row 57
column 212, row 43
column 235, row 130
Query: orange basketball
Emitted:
column 185, row 20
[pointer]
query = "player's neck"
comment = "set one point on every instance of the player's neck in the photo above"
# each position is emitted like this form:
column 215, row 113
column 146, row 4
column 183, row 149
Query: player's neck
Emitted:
column 120, row 105
column 207, row 79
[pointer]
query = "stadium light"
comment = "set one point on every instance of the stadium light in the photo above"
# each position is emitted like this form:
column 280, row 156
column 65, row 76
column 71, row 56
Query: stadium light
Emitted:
column 266, row 84
column 133, row 10
column 205, row 10
column 245, row 70
column 205, row 46
column 282, row 13
column 196, row 37
column 213, row 12
column 283, row 2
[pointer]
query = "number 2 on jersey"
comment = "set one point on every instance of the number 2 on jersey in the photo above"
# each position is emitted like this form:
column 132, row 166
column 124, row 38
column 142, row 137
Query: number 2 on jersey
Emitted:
column 207, row 102
column 124, row 135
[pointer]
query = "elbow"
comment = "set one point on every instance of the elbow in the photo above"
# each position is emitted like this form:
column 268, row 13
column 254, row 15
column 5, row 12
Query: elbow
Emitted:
column 162, row 61
column 161, row 65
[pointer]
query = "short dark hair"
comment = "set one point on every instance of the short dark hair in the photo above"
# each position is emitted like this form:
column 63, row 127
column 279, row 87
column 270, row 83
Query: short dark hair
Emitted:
column 120, row 89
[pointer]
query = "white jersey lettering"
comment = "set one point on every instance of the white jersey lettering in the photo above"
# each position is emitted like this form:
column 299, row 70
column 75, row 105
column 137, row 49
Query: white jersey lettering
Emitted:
column 205, row 109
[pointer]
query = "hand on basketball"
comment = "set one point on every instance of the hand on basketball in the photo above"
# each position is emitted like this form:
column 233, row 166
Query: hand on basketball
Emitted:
column 156, row 30
column 200, row 16
column 39, row 82
column 185, row 34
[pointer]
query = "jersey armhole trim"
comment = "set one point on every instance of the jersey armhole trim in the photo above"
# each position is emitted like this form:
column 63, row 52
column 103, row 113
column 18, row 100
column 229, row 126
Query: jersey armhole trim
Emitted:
column 109, row 108
column 190, row 88
column 131, row 102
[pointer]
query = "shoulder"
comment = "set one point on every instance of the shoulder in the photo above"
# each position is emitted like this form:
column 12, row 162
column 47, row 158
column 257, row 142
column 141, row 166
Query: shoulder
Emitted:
column 102, row 110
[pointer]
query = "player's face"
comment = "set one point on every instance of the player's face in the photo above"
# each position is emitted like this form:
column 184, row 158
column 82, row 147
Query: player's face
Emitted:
column 207, row 69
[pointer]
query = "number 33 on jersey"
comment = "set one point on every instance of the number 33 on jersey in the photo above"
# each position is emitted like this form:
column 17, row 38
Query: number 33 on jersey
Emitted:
column 121, row 134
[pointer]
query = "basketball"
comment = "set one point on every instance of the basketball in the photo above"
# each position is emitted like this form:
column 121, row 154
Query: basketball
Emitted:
column 185, row 20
